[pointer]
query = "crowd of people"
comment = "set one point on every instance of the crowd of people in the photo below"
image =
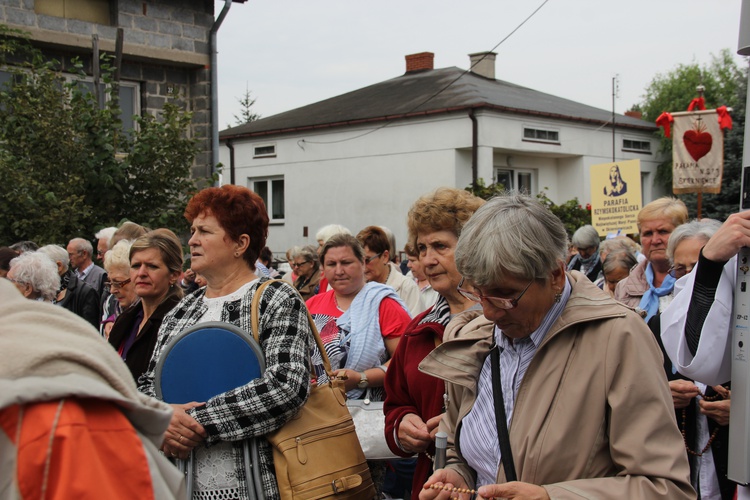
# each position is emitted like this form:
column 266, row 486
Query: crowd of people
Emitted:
column 557, row 365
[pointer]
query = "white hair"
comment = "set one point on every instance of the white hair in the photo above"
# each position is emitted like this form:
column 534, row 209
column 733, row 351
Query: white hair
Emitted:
column 37, row 270
column 105, row 233
column 57, row 254
column 696, row 229
column 325, row 232
column 118, row 257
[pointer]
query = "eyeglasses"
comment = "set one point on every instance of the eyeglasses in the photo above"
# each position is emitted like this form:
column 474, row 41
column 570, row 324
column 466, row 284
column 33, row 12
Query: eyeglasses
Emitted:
column 299, row 264
column 116, row 284
column 680, row 271
column 499, row 302
column 370, row 259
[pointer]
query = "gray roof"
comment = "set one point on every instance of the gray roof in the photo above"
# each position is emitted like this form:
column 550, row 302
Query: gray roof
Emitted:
column 429, row 92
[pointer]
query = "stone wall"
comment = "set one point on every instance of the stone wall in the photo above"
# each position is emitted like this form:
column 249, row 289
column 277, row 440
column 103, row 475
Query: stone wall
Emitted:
column 166, row 50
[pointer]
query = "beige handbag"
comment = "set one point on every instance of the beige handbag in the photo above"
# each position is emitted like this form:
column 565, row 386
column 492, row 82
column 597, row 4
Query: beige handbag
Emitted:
column 317, row 454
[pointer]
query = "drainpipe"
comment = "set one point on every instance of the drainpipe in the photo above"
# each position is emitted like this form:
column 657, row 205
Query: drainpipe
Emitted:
column 230, row 145
column 474, row 148
column 215, row 88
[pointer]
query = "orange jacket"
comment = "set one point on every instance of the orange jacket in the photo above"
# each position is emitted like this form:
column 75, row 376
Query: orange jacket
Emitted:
column 89, row 450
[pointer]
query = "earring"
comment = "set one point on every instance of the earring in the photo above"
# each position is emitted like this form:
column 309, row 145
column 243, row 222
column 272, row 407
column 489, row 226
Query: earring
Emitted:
column 236, row 254
column 558, row 297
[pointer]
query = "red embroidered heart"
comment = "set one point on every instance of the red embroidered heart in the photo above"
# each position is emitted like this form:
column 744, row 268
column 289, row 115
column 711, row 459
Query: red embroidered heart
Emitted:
column 698, row 144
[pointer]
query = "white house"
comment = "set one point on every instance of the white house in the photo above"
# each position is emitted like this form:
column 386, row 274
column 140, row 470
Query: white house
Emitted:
column 363, row 157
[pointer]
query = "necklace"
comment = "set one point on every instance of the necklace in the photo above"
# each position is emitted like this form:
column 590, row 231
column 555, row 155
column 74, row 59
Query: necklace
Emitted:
column 683, row 426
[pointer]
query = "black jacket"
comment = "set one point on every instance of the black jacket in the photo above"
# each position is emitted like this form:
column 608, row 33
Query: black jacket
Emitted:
column 140, row 352
column 592, row 274
column 83, row 300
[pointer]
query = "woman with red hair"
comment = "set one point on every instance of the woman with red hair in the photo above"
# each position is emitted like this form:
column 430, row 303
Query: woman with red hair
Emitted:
column 229, row 227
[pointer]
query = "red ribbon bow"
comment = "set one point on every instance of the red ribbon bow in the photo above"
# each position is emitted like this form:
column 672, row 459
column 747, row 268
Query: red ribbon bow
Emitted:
column 665, row 121
column 725, row 121
column 698, row 102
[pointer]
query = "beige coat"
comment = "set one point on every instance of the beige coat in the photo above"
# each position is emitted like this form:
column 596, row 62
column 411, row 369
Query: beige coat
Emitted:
column 593, row 416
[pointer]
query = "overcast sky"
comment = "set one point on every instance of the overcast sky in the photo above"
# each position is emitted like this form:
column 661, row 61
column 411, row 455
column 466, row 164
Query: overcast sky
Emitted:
column 290, row 53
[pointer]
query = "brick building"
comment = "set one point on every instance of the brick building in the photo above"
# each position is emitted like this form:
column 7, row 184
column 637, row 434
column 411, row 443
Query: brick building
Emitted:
column 166, row 51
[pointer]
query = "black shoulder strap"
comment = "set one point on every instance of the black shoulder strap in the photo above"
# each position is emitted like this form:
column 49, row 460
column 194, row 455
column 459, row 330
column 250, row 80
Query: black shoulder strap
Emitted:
column 501, row 419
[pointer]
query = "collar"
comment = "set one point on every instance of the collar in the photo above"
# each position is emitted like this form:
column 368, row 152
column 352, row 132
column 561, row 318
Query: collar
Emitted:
column 83, row 272
column 537, row 336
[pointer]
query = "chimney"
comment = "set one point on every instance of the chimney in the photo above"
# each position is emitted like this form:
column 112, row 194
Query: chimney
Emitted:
column 634, row 114
column 483, row 64
column 419, row 62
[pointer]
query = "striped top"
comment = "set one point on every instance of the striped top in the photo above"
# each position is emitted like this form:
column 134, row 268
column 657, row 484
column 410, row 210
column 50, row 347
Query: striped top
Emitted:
column 479, row 442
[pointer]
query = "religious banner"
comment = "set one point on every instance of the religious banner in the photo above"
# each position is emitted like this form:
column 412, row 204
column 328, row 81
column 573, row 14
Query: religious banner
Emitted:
column 615, row 196
column 697, row 148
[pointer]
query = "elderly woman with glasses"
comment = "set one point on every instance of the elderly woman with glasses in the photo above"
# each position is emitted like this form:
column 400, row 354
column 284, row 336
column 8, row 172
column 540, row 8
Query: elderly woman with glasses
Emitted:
column 306, row 265
column 702, row 411
column 577, row 381
column 122, row 292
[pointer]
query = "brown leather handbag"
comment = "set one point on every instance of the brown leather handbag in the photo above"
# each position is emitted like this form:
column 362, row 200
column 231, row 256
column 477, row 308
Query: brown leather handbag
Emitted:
column 317, row 454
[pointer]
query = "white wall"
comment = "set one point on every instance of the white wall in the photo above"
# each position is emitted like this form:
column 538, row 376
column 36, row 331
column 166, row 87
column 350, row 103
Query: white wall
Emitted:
column 356, row 178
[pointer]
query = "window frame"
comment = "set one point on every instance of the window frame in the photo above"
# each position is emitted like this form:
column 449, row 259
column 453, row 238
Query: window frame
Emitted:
column 270, row 154
column 633, row 149
column 269, row 198
column 515, row 177
column 537, row 132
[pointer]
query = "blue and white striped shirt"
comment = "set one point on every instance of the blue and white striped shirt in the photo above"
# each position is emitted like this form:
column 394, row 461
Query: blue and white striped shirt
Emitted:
column 479, row 442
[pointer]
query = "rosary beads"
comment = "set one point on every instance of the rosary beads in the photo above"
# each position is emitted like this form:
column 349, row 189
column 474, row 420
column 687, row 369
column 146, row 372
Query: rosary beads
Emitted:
column 454, row 490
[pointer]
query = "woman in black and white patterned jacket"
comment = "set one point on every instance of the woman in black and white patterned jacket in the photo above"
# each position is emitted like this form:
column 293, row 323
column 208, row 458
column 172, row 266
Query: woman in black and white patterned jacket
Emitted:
column 229, row 228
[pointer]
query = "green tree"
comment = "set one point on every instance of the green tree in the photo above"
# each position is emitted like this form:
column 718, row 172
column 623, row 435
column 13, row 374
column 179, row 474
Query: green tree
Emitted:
column 66, row 166
column 246, row 112
column 725, row 85
column 571, row 213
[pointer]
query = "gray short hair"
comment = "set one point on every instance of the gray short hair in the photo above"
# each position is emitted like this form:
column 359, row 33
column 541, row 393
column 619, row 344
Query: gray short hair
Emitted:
column 105, row 233
column 619, row 244
column 82, row 245
column 118, row 257
column 308, row 252
column 586, row 236
column 512, row 234
column 325, row 232
column 696, row 229
column 619, row 259
column 57, row 254
column 39, row 271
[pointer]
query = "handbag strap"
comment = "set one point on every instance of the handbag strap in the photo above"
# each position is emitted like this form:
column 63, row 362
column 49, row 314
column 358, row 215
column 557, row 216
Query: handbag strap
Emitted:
column 254, row 318
column 501, row 420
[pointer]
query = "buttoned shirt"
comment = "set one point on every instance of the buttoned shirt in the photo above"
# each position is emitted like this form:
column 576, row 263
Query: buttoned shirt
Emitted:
column 479, row 442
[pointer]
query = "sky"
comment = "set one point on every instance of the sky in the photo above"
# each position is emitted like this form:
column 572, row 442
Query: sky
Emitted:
column 291, row 53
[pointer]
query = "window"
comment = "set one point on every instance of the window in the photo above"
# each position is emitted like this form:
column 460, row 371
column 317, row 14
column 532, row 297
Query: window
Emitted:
column 541, row 135
column 520, row 180
column 129, row 97
column 94, row 11
column 272, row 192
column 264, row 151
column 636, row 145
